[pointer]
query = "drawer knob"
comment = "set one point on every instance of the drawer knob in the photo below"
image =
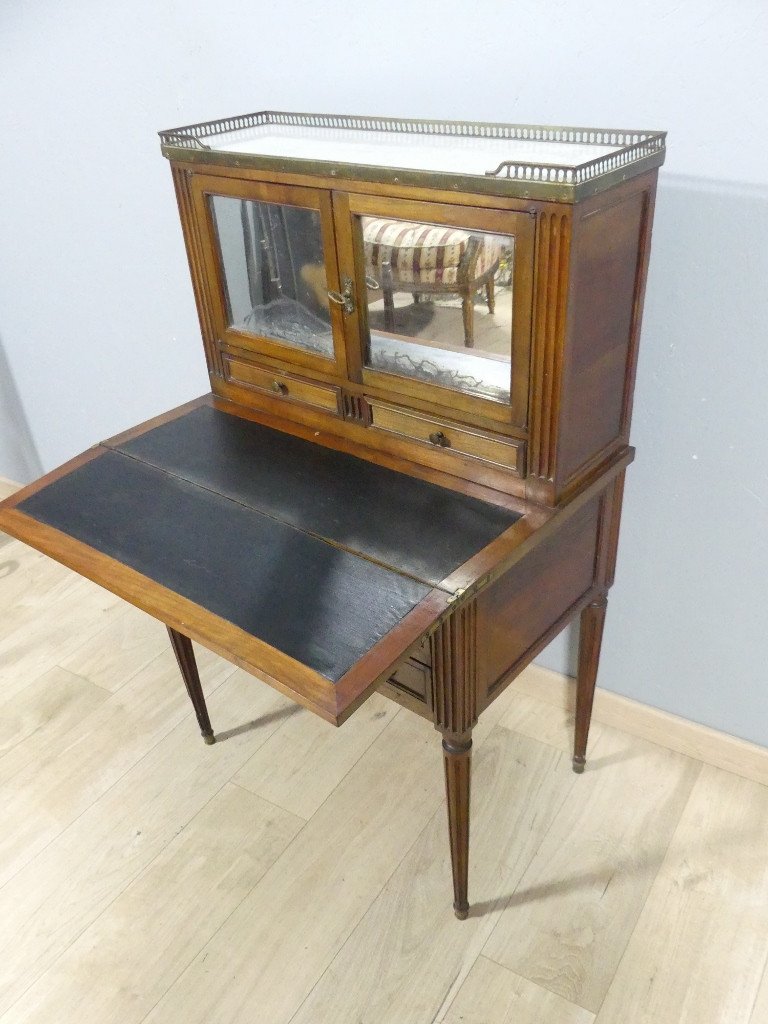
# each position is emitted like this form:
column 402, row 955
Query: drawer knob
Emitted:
column 279, row 388
column 440, row 439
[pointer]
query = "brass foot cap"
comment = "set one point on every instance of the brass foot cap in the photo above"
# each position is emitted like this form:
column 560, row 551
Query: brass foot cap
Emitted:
column 578, row 765
column 461, row 912
column 209, row 739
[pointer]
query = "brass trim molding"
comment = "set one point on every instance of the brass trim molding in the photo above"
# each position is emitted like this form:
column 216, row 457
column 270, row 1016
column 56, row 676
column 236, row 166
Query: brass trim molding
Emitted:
column 637, row 152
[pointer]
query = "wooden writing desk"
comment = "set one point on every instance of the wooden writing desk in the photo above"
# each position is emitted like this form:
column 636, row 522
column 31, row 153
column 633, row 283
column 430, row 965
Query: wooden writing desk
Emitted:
column 345, row 513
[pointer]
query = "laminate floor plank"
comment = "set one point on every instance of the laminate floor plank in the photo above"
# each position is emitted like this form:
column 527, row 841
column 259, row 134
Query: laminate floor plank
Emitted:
column 759, row 1013
column 266, row 958
column 403, row 961
column 540, row 721
column 569, row 921
column 698, row 953
column 49, row 706
column 301, row 764
column 129, row 642
column 75, row 768
column 494, row 995
column 142, row 880
column 547, row 686
column 34, row 639
column 63, row 890
column 7, row 487
column 30, row 579
column 121, row 965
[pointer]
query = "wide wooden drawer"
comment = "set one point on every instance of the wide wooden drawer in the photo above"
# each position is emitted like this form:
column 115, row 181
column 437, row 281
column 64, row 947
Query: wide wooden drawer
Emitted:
column 507, row 452
column 282, row 385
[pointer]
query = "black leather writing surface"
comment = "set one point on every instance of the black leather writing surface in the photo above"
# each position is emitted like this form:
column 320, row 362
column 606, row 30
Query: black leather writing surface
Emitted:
column 322, row 606
column 421, row 529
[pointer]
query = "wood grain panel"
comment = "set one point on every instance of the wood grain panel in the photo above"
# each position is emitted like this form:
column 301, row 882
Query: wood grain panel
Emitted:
column 519, row 608
column 605, row 279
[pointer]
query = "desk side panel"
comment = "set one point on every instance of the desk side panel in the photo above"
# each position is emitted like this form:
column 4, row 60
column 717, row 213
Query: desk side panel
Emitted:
column 531, row 602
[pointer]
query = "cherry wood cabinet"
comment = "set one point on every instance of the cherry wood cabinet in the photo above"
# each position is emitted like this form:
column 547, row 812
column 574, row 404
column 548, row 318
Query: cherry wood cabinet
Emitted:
column 421, row 339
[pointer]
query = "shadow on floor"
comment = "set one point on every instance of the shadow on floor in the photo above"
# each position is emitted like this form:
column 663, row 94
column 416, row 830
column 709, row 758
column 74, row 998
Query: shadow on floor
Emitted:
column 257, row 723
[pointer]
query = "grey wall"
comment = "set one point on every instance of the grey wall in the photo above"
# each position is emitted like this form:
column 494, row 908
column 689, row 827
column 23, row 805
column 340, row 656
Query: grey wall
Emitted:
column 687, row 617
column 96, row 309
column 18, row 457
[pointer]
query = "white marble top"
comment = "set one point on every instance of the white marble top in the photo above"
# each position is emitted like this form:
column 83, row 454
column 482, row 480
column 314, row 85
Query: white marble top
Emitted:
column 423, row 152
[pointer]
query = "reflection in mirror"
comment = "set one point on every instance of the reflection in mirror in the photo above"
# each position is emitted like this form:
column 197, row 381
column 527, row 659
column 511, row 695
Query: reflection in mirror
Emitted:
column 440, row 304
column 274, row 274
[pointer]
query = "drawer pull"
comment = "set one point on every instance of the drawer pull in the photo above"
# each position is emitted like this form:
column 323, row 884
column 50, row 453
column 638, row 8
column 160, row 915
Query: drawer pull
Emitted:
column 279, row 388
column 440, row 439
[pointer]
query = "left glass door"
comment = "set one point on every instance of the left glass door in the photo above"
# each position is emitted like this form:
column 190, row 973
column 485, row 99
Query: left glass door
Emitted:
column 272, row 255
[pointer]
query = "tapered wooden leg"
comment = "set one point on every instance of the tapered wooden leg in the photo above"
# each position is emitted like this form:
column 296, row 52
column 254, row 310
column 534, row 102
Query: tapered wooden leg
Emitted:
column 590, row 640
column 457, row 757
column 490, row 291
column 387, row 288
column 185, row 656
column 468, row 314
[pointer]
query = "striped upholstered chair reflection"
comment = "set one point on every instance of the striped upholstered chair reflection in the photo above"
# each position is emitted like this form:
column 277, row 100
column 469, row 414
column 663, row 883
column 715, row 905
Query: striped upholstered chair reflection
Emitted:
column 428, row 259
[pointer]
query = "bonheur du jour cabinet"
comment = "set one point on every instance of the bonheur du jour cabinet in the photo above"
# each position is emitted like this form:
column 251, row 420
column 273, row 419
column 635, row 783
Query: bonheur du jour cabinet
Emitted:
column 421, row 340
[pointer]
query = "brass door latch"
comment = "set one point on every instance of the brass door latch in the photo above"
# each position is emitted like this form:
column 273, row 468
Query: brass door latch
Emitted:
column 346, row 298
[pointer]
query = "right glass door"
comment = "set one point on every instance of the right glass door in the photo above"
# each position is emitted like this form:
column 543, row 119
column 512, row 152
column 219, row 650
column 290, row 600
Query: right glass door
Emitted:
column 445, row 303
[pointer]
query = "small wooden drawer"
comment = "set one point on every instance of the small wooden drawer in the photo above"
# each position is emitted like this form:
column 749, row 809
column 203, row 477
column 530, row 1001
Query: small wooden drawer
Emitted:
column 423, row 653
column 413, row 678
column 282, row 385
column 507, row 452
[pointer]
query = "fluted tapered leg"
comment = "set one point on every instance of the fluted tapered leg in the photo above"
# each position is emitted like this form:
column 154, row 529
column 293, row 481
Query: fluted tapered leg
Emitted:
column 457, row 757
column 185, row 656
column 590, row 641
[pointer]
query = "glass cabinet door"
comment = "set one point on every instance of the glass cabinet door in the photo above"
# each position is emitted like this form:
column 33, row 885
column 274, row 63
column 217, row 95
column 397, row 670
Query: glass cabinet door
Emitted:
column 275, row 264
column 446, row 302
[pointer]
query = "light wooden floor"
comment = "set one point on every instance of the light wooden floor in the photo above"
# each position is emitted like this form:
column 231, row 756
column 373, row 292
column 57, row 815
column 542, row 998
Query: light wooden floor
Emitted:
column 297, row 873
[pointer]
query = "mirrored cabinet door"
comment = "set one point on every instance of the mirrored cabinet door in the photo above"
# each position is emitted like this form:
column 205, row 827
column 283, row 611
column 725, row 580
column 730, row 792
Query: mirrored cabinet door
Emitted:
column 447, row 300
column 275, row 261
